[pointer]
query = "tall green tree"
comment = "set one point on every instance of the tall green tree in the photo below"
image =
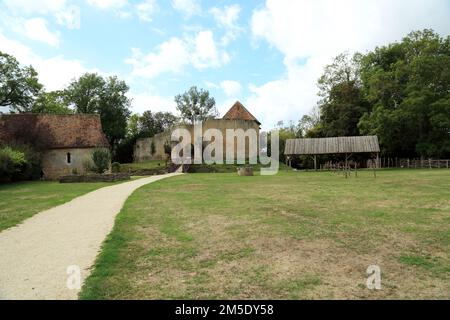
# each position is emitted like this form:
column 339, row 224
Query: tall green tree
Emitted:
column 114, row 109
column 19, row 85
column 92, row 93
column 85, row 92
column 51, row 102
column 342, row 103
column 196, row 105
column 408, row 85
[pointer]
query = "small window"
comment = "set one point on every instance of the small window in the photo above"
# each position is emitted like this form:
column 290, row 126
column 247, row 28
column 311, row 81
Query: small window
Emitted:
column 68, row 157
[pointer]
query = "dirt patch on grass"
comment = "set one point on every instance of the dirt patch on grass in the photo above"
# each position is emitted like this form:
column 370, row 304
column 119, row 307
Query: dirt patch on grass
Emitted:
column 218, row 265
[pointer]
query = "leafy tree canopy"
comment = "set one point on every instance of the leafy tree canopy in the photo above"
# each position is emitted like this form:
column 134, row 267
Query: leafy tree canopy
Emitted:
column 408, row 85
column 51, row 102
column 196, row 105
column 92, row 93
column 18, row 85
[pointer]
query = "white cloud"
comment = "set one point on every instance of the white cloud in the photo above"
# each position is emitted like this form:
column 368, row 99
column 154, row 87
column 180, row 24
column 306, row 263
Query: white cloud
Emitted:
column 147, row 101
column 174, row 54
column 171, row 56
column 108, row 4
column 55, row 73
column 146, row 9
column 318, row 30
column 187, row 7
column 64, row 14
column 227, row 17
column 231, row 88
column 36, row 29
column 210, row 84
column 33, row 6
column 70, row 17
column 206, row 53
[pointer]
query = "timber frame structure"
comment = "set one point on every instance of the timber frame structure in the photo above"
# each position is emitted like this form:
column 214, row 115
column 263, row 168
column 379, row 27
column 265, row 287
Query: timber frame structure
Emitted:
column 333, row 145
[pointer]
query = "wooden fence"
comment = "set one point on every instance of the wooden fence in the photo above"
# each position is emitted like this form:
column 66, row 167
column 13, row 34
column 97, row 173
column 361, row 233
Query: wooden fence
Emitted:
column 409, row 163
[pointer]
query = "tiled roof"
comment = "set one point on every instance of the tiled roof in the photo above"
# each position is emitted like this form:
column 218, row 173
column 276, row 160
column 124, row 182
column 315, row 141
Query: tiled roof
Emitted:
column 239, row 112
column 52, row 131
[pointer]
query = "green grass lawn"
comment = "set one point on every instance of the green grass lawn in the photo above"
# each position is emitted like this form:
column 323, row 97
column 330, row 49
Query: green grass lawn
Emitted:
column 21, row 200
column 151, row 164
column 296, row 235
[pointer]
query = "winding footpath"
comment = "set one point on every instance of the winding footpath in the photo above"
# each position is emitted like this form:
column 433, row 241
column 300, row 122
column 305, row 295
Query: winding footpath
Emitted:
column 35, row 255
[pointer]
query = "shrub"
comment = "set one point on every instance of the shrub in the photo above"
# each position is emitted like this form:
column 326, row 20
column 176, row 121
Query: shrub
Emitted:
column 12, row 162
column 88, row 165
column 32, row 169
column 19, row 161
column 102, row 159
column 115, row 167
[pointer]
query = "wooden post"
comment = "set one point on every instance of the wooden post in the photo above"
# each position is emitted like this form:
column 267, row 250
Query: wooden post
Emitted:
column 315, row 162
column 374, row 168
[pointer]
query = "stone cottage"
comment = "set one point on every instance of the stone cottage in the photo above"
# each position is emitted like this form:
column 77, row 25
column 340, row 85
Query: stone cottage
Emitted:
column 238, row 117
column 65, row 141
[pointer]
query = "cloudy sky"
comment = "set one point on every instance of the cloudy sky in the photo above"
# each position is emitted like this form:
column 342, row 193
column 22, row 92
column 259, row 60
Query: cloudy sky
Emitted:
column 266, row 54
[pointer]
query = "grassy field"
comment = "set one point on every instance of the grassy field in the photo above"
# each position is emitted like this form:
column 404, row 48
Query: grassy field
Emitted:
column 21, row 200
column 296, row 235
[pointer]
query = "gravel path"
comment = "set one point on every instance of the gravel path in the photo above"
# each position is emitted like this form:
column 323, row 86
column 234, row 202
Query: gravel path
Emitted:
column 35, row 255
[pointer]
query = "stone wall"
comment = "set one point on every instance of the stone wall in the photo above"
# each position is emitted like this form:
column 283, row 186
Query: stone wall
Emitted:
column 107, row 177
column 54, row 162
column 142, row 149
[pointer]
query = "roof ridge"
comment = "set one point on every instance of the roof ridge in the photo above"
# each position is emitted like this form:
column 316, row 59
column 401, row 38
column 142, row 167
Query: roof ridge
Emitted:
column 235, row 113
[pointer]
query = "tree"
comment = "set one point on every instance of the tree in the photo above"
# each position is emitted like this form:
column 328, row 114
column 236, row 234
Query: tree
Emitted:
column 84, row 93
column 107, row 97
column 51, row 102
column 153, row 123
column 196, row 105
column 342, row 103
column 18, row 85
column 165, row 120
column 114, row 109
column 308, row 122
column 408, row 85
column 133, row 126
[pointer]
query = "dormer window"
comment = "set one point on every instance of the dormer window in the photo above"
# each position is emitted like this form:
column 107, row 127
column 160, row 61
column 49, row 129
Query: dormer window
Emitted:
column 68, row 157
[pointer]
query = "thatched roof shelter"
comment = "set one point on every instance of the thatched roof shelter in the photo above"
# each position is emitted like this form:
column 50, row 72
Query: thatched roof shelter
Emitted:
column 334, row 145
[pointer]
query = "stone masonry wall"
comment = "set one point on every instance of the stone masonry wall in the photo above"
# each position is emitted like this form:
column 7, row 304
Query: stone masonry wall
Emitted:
column 54, row 162
column 142, row 149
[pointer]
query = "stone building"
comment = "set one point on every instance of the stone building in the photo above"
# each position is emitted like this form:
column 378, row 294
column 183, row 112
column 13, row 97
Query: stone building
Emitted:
column 238, row 117
column 65, row 141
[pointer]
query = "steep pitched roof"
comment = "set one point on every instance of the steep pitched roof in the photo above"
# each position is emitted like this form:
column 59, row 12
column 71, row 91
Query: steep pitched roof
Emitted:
column 51, row 131
column 239, row 112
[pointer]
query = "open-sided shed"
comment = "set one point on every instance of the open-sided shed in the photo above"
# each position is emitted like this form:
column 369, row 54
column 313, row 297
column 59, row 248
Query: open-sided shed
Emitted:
column 332, row 145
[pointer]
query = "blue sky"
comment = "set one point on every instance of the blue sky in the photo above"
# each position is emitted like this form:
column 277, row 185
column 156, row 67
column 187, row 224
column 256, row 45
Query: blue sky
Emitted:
column 267, row 54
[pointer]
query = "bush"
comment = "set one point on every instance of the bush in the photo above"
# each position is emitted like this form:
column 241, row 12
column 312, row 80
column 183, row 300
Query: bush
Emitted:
column 88, row 165
column 33, row 168
column 102, row 159
column 19, row 161
column 115, row 167
column 12, row 162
